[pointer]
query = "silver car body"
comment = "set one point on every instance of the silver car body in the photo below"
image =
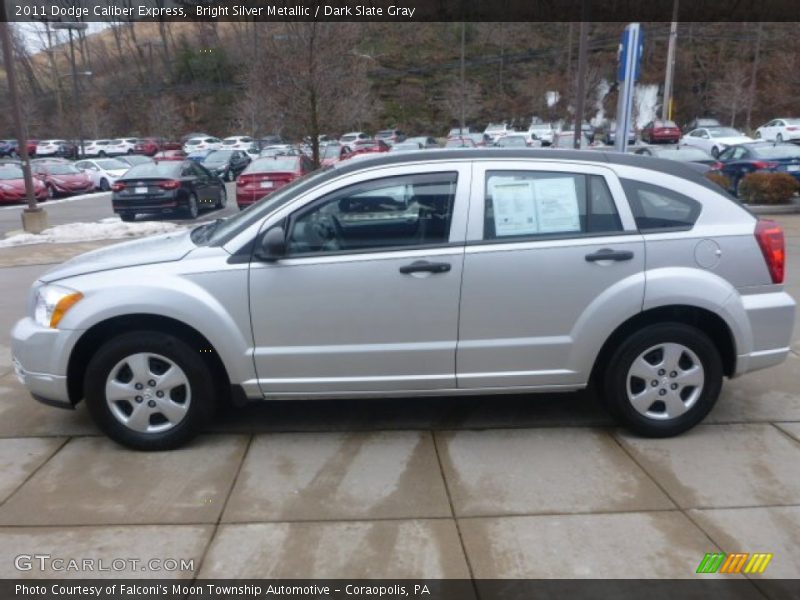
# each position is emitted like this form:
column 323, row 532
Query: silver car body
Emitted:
column 508, row 316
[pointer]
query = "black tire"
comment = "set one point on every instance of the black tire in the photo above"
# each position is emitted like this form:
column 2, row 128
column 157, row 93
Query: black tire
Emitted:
column 201, row 384
column 230, row 175
column 715, row 152
column 51, row 192
column 615, row 379
column 101, row 154
column 104, row 187
column 127, row 217
column 192, row 210
column 223, row 198
column 779, row 139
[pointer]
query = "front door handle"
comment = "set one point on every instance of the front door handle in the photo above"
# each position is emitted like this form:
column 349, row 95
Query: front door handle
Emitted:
column 420, row 266
column 608, row 254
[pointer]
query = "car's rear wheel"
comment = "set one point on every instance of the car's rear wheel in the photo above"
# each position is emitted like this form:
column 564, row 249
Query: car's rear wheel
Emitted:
column 149, row 390
column 663, row 379
column 104, row 185
column 715, row 152
column 51, row 192
column 779, row 138
column 223, row 198
column 192, row 207
column 230, row 176
column 127, row 217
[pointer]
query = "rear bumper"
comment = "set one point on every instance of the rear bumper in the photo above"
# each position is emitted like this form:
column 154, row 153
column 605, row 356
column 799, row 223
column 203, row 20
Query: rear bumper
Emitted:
column 166, row 203
column 771, row 319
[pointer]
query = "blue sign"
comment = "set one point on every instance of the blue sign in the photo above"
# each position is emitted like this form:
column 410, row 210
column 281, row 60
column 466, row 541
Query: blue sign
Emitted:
column 627, row 41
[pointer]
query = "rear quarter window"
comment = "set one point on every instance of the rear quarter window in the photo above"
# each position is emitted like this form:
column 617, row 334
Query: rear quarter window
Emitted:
column 660, row 209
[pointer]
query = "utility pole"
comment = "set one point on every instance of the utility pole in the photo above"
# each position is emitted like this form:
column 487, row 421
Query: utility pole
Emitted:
column 581, row 91
column 751, row 96
column 77, row 107
column 666, row 109
column 463, row 81
column 34, row 219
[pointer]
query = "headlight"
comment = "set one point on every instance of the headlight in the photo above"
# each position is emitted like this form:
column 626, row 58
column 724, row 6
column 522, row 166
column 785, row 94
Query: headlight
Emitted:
column 52, row 303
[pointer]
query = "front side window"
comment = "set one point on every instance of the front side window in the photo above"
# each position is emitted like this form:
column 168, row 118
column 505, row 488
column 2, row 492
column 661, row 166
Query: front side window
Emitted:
column 657, row 209
column 524, row 204
column 390, row 213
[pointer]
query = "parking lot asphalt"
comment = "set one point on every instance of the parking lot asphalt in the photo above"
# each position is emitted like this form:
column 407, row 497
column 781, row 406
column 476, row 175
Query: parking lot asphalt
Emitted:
column 486, row 487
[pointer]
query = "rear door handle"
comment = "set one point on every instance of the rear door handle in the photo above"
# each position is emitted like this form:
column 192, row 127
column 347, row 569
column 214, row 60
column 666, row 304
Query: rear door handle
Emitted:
column 608, row 254
column 421, row 266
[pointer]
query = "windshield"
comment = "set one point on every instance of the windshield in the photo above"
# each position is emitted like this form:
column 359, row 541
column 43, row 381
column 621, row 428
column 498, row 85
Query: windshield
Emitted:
column 111, row 164
column 331, row 151
column 495, row 127
column 218, row 157
column 10, row 173
column 283, row 164
column 778, row 151
column 512, row 140
column 193, row 142
column 719, row 132
column 62, row 170
column 163, row 170
column 229, row 227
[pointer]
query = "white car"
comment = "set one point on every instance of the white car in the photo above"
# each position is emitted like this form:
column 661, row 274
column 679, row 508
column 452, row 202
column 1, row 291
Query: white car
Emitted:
column 95, row 147
column 120, row 146
column 543, row 132
column 237, row 142
column 202, row 143
column 497, row 130
column 104, row 172
column 348, row 139
column 49, row 147
column 780, row 130
column 715, row 139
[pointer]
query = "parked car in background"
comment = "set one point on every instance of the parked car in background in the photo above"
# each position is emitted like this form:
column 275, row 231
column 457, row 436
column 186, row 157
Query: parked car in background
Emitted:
column 12, row 185
column 271, row 140
column 459, row 132
column 199, row 155
column 8, row 148
column 237, row 142
column 610, row 134
column 331, row 154
column 391, row 136
column 202, row 143
column 424, row 141
column 513, row 140
column 696, row 158
column 279, row 150
column 737, row 162
column 95, row 148
column 62, row 179
column 715, row 139
column 10, row 162
column 171, row 187
column 780, row 130
column 460, row 142
column 266, row 175
column 153, row 145
column 169, row 155
column 367, row 147
column 481, row 140
column 406, row 147
column 588, row 131
column 632, row 276
column 660, row 131
column 566, row 139
column 543, row 132
column 496, row 130
column 134, row 159
column 60, row 148
column 348, row 139
column 103, row 171
column 121, row 146
column 701, row 122
column 227, row 164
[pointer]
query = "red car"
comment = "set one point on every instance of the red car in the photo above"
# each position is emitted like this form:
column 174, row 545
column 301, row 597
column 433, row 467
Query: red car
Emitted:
column 152, row 146
column 12, row 185
column 333, row 153
column 368, row 147
column 265, row 175
column 62, row 178
column 170, row 155
column 661, row 131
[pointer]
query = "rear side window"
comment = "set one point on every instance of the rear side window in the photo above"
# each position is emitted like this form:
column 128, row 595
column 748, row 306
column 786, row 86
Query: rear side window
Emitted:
column 525, row 204
column 657, row 209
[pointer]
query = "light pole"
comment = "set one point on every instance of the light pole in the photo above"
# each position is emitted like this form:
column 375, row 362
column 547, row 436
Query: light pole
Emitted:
column 666, row 110
column 34, row 219
column 74, row 27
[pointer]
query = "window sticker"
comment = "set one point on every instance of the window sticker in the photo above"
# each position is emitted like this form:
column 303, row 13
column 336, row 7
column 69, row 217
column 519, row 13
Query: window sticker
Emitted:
column 535, row 206
column 514, row 208
column 557, row 205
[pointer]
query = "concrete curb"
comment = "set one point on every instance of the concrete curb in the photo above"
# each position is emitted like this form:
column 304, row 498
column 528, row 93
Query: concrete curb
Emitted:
column 776, row 209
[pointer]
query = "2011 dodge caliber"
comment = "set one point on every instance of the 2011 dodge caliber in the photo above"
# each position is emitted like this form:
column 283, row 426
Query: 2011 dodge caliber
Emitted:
column 444, row 272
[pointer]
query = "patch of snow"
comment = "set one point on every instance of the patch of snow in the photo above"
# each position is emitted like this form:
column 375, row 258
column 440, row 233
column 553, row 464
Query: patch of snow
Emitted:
column 602, row 91
column 645, row 104
column 98, row 196
column 552, row 98
column 106, row 229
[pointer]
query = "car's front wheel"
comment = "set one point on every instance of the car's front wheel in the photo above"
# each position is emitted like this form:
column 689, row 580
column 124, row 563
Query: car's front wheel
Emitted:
column 104, row 187
column 663, row 379
column 149, row 390
column 192, row 207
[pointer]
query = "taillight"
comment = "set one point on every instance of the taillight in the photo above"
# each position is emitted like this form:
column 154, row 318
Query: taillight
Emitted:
column 761, row 164
column 717, row 166
column 172, row 184
column 769, row 236
column 244, row 179
column 117, row 187
column 792, row 128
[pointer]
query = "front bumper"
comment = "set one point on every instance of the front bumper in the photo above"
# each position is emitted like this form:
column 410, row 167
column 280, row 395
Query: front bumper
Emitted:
column 40, row 358
column 771, row 318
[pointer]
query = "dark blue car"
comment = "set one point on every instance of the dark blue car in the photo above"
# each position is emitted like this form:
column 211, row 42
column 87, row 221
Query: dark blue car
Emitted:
column 739, row 161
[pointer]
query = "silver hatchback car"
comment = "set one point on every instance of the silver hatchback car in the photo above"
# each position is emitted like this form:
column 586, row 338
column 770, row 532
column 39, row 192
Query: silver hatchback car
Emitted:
column 426, row 273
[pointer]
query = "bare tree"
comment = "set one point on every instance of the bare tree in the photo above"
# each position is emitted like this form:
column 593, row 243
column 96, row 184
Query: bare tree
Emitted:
column 452, row 100
column 729, row 93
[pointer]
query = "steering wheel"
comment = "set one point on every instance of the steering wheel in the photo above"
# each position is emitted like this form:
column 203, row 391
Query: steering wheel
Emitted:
column 327, row 231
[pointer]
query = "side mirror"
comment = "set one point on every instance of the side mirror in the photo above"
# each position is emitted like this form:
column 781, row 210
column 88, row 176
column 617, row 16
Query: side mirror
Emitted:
column 273, row 244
